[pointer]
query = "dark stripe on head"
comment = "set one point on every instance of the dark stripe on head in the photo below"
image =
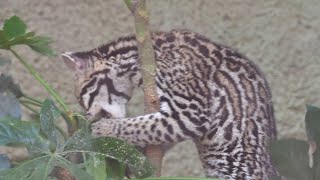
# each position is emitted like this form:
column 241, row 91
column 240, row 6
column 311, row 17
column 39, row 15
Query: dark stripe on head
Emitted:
column 84, row 55
column 104, row 71
column 84, row 89
column 111, row 90
column 93, row 95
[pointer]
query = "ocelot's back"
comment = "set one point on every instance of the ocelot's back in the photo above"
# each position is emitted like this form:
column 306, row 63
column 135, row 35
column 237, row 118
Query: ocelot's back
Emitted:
column 208, row 93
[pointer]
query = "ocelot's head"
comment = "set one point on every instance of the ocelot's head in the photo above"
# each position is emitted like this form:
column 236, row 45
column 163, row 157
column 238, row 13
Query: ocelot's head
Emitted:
column 104, row 78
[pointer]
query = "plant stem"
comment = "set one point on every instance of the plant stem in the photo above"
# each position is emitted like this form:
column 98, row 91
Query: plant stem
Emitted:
column 81, row 116
column 147, row 60
column 61, row 131
column 29, row 107
column 37, row 76
column 30, row 102
column 70, row 120
column 31, row 99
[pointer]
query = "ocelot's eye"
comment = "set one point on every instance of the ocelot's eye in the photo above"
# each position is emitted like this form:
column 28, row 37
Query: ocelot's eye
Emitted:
column 105, row 114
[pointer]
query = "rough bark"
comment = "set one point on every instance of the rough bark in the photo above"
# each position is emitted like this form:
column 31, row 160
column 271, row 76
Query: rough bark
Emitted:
column 147, row 61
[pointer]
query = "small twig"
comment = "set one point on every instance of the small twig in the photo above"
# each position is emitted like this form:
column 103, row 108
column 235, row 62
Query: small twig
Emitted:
column 29, row 107
column 30, row 102
column 31, row 99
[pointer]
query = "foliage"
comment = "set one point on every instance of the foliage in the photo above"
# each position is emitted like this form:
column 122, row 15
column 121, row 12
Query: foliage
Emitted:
column 48, row 145
column 14, row 33
column 297, row 159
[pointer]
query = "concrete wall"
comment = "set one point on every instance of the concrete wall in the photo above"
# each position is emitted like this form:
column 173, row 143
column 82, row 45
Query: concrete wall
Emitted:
column 281, row 36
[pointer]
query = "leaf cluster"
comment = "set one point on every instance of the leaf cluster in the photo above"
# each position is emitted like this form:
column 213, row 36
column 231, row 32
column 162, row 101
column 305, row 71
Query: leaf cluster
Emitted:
column 14, row 32
column 50, row 147
column 48, row 150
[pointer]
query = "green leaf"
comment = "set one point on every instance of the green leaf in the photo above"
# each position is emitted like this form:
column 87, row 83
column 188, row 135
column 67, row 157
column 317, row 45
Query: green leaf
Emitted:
column 13, row 27
column 115, row 169
column 4, row 162
column 96, row 167
column 78, row 139
column 43, row 49
column 42, row 170
column 123, row 152
column 48, row 114
column 21, row 39
column 290, row 157
column 40, row 44
column 14, row 33
column 13, row 131
column 9, row 106
column 8, row 85
column 41, row 40
column 74, row 169
column 112, row 148
column 24, row 170
column 3, row 37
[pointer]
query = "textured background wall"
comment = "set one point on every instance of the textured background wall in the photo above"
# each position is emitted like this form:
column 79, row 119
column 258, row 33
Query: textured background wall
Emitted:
column 281, row 36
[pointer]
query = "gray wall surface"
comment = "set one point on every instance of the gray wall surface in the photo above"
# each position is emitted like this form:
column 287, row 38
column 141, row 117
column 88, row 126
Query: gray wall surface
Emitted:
column 281, row 36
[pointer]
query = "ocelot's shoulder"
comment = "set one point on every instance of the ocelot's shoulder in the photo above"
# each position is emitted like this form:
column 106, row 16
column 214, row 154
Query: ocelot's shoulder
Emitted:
column 176, row 35
column 182, row 37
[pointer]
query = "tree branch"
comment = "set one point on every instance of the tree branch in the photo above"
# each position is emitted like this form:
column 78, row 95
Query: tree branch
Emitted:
column 146, row 56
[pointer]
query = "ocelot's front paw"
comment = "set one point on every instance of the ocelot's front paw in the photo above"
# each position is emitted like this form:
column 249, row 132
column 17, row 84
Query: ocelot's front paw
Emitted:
column 103, row 128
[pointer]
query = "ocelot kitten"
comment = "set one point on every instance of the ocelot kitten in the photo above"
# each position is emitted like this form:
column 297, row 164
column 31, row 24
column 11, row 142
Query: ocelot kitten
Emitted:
column 208, row 93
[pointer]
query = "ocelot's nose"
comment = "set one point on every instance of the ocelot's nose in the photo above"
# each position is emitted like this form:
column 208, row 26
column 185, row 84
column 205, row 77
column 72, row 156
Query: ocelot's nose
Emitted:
column 105, row 114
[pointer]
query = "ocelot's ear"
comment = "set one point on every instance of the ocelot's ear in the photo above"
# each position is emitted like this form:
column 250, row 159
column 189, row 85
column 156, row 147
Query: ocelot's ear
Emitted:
column 73, row 62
